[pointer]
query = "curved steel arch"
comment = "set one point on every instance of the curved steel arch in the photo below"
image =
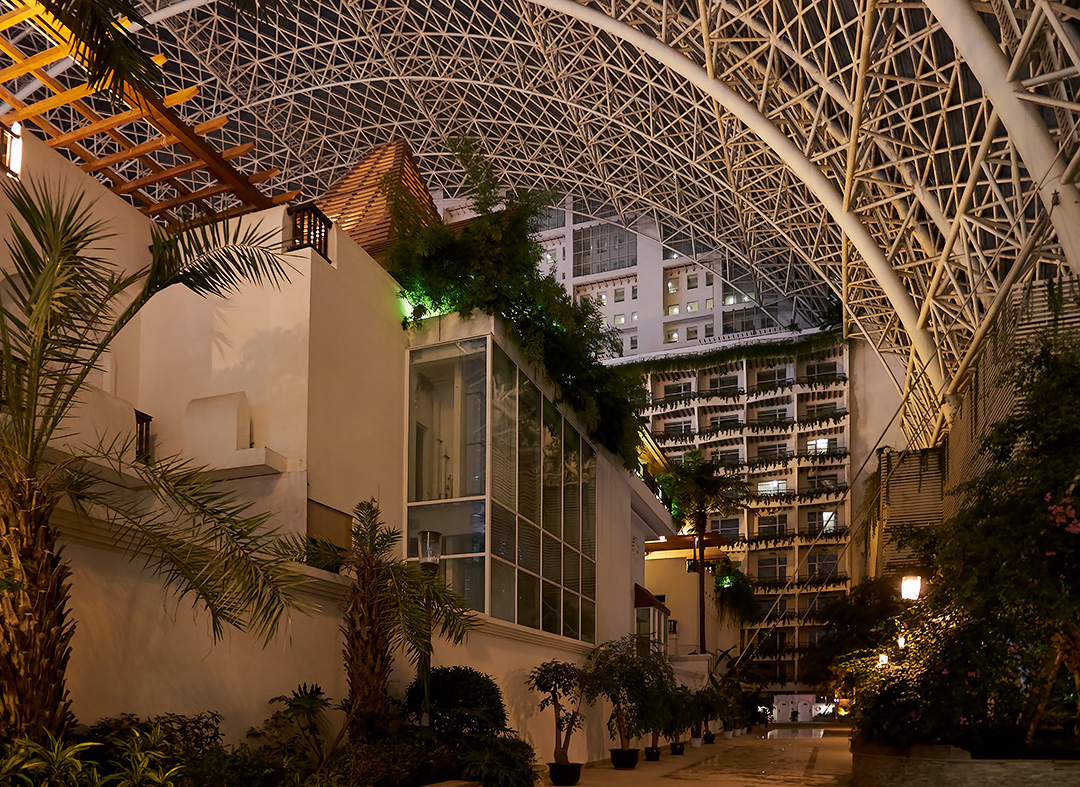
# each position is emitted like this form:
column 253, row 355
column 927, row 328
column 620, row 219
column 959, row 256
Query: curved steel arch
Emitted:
column 943, row 196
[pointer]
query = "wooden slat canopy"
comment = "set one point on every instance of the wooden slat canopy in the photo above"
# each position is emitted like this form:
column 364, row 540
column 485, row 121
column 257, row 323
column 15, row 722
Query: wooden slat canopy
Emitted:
column 166, row 167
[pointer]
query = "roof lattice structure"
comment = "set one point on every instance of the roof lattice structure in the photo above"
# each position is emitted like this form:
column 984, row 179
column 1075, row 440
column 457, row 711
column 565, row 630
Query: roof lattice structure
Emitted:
column 914, row 157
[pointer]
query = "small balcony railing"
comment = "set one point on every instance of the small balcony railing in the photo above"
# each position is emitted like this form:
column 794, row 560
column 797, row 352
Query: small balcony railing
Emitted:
column 144, row 438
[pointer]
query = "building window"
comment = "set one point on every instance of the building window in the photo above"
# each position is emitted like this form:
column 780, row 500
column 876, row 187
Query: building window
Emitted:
column 773, row 414
column 678, row 427
column 673, row 310
column 742, row 320
column 771, row 377
column 620, row 294
column 673, row 285
column 709, row 330
column 691, row 333
column 772, row 526
column 772, row 569
column 823, row 482
column 540, row 570
column 633, row 342
column 821, row 445
column 820, row 522
column 633, row 316
column 728, row 528
column 692, row 306
column 708, row 304
column 677, row 390
column 728, row 458
column 727, row 385
column 602, row 298
column 620, row 319
column 605, row 247
column 708, row 280
column 551, row 219
column 723, row 420
column 817, row 410
column 633, row 293
column 772, row 452
column 821, row 564
column 821, row 369
column 777, row 487
column 671, row 336
column 691, row 281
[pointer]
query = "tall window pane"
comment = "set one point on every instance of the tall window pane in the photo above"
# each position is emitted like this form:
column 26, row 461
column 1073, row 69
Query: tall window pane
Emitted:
column 447, row 420
column 503, row 428
column 551, row 606
column 528, row 546
column 588, row 501
column 503, row 590
column 570, row 615
column 529, row 449
column 465, row 576
column 553, row 469
column 528, row 611
column 588, row 620
column 461, row 525
column 503, row 530
column 571, row 487
column 552, row 564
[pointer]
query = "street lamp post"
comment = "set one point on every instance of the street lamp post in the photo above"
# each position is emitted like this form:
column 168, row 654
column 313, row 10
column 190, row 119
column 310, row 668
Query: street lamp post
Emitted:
column 429, row 549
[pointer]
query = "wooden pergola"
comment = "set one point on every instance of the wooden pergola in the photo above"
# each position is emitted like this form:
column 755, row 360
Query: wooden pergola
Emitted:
column 171, row 171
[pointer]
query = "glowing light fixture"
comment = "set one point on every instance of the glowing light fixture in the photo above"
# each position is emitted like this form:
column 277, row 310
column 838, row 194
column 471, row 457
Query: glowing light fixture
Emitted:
column 429, row 547
column 14, row 150
column 901, row 641
column 882, row 659
column 910, row 587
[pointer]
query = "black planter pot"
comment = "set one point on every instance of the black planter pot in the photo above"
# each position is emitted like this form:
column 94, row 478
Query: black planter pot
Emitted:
column 564, row 774
column 678, row 748
column 709, row 737
column 624, row 759
column 652, row 753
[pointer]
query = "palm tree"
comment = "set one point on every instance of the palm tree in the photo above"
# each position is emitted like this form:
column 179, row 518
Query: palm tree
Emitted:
column 698, row 489
column 61, row 304
column 392, row 605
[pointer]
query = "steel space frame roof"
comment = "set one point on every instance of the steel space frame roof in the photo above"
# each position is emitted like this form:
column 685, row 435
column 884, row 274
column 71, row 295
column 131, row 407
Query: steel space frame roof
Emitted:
column 914, row 158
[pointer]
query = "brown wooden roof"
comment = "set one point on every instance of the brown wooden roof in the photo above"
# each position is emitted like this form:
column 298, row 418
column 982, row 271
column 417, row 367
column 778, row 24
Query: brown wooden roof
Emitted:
column 358, row 202
column 148, row 153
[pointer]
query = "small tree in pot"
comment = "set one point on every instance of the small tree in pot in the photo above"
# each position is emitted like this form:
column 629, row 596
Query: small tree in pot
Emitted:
column 626, row 672
column 562, row 685
column 680, row 714
column 654, row 712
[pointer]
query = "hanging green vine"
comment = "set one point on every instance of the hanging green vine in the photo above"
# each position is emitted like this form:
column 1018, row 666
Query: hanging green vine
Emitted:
column 490, row 264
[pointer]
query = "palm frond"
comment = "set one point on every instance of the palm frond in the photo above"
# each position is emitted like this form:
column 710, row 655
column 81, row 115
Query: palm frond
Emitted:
column 198, row 537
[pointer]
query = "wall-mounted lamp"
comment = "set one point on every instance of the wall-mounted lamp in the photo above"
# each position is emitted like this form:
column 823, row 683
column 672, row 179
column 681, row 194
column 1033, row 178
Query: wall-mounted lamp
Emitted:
column 910, row 587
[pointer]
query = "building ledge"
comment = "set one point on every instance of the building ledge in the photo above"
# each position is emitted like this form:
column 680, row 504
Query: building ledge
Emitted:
column 249, row 463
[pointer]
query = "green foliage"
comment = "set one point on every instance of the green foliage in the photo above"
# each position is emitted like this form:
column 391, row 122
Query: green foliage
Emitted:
column 300, row 729
column 781, row 351
column 489, row 264
column 499, row 761
column 562, row 686
column 632, row 676
column 680, row 711
column 735, row 599
column 698, row 488
column 463, row 702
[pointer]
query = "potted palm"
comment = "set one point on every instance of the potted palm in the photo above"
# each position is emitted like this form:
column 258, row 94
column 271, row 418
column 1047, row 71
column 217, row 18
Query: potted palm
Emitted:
column 562, row 686
column 625, row 672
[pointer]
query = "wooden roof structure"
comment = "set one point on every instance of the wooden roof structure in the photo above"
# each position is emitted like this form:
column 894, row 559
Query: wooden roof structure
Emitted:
column 358, row 202
column 144, row 150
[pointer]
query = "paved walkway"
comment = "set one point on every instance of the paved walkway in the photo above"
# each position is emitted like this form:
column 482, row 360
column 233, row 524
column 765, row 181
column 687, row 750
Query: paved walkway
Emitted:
column 793, row 756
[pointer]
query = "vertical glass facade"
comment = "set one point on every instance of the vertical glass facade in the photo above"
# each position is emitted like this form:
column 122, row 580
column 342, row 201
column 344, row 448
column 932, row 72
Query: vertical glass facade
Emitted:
column 524, row 550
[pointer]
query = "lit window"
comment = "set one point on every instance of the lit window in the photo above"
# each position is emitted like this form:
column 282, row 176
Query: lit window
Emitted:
column 673, row 285
column 620, row 295
column 777, row 487
column 692, row 306
column 673, row 309
column 671, row 336
column 633, row 316
column 691, row 282
column 818, row 446
column 708, row 303
column 691, row 334
column 633, row 342
column 729, row 300
column 603, row 299
column 620, row 319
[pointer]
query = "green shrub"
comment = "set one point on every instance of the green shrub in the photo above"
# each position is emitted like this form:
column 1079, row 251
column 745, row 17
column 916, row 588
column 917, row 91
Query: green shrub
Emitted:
column 498, row 761
column 463, row 702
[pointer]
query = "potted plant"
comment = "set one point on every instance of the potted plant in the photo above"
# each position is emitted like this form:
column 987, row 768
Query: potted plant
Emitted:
column 679, row 717
column 562, row 686
column 696, row 716
column 654, row 711
column 626, row 672
column 706, row 712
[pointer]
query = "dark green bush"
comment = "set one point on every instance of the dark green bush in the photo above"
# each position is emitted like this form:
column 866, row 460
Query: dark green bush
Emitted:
column 463, row 702
column 498, row 761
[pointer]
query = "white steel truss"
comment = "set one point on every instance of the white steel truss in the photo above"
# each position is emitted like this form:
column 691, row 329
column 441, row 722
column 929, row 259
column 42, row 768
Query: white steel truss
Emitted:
column 912, row 157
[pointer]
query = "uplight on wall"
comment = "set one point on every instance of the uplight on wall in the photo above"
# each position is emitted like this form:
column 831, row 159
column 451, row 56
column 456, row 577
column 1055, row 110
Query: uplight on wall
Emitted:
column 12, row 151
column 910, row 587
column 883, row 659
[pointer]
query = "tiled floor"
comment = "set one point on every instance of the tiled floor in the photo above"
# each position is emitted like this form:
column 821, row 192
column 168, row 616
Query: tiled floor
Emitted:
column 793, row 756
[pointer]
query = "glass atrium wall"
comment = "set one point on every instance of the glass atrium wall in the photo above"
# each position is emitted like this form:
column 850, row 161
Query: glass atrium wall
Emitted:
column 519, row 534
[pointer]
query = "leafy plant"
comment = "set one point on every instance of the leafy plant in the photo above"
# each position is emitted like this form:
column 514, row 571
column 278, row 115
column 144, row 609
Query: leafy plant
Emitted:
column 500, row 761
column 631, row 675
column 680, row 713
column 562, row 686
column 735, row 599
column 63, row 305
column 391, row 606
column 490, row 264
column 463, row 702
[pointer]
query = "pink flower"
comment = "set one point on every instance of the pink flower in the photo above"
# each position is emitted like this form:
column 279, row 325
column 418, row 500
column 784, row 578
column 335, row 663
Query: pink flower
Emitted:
column 944, row 672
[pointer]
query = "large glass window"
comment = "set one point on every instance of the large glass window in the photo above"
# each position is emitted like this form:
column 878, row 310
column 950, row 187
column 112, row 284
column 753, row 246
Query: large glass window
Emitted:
column 447, row 421
column 605, row 247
